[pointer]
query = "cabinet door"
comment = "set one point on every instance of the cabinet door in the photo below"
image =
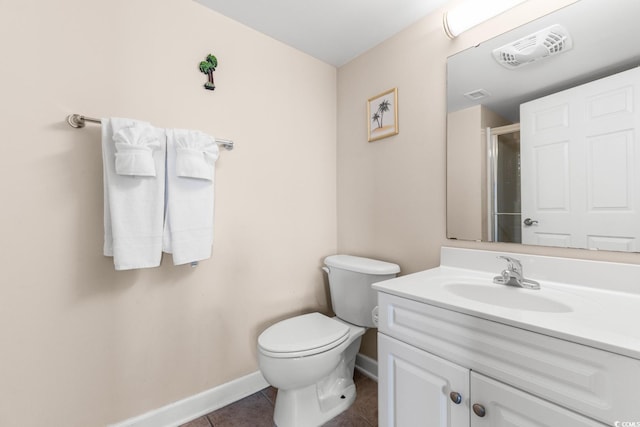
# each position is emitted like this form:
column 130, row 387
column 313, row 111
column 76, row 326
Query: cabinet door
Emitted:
column 506, row 406
column 414, row 387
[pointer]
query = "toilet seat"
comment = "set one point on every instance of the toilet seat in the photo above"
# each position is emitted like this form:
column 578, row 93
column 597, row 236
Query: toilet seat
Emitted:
column 303, row 335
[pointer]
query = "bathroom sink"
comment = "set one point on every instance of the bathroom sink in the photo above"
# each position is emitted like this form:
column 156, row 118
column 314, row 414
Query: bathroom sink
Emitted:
column 507, row 296
column 586, row 302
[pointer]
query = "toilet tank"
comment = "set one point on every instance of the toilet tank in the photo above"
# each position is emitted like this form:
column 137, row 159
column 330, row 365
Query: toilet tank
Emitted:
column 350, row 280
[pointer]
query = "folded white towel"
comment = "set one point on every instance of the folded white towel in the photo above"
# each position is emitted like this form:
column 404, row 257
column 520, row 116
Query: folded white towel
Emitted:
column 189, row 195
column 196, row 154
column 133, row 203
column 134, row 150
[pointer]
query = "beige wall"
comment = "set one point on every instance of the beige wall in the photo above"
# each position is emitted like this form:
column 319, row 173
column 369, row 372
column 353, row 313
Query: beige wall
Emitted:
column 83, row 345
column 467, row 171
column 391, row 193
column 464, row 174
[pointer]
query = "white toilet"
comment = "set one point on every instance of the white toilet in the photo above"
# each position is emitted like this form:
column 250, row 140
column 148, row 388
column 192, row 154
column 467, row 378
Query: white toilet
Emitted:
column 310, row 358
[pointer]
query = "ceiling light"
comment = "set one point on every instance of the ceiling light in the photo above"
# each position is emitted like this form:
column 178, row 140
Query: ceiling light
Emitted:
column 473, row 12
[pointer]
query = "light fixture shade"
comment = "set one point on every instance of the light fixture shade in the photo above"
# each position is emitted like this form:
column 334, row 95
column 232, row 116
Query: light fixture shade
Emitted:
column 473, row 12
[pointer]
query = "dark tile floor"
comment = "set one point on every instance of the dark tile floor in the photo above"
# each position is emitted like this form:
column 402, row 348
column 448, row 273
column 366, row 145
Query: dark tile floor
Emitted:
column 257, row 410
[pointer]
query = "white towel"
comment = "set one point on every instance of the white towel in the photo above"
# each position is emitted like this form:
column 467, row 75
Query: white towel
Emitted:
column 135, row 146
column 133, row 204
column 191, row 156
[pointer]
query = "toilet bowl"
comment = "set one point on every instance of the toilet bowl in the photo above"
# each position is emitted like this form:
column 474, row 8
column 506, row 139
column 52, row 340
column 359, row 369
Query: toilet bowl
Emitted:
column 314, row 380
column 310, row 358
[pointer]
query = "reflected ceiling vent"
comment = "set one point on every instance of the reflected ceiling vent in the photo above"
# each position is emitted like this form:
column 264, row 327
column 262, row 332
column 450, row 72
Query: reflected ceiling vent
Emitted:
column 539, row 45
column 477, row 94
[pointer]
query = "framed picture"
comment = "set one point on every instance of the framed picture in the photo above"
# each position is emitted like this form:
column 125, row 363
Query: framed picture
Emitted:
column 382, row 115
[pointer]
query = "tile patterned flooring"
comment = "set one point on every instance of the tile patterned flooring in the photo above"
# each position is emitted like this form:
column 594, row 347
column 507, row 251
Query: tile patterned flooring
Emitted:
column 257, row 410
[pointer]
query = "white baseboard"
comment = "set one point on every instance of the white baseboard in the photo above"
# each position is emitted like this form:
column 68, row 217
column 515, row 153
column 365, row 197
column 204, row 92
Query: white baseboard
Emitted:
column 367, row 366
column 192, row 407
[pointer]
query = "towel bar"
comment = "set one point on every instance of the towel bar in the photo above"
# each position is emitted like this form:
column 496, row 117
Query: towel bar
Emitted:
column 79, row 121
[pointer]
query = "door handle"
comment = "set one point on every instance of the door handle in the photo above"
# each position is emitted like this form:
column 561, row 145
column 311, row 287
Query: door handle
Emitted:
column 529, row 221
column 455, row 397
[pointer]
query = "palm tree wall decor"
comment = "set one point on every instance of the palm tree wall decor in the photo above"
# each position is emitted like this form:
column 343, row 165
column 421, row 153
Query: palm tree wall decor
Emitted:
column 382, row 112
column 208, row 67
column 383, row 107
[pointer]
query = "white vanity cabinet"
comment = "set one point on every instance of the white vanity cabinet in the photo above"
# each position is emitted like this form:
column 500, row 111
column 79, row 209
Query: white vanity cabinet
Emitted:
column 420, row 389
column 517, row 377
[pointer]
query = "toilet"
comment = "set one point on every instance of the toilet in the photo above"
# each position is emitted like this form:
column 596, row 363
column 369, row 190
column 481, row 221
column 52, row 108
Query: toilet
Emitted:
column 310, row 358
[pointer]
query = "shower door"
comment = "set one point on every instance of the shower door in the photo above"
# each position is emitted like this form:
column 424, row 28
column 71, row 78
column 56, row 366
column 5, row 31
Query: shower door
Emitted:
column 504, row 183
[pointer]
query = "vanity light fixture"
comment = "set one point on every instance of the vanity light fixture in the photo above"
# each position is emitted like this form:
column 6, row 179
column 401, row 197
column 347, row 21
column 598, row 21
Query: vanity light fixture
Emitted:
column 470, row 13
column 534, row 47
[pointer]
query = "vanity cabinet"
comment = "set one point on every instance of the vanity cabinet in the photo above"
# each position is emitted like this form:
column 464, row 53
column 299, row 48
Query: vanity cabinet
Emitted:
column 420, row 389
column 426, row 354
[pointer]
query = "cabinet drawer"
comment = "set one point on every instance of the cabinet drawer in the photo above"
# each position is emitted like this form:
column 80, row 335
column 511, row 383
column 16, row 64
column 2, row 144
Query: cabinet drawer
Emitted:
column 593, row 382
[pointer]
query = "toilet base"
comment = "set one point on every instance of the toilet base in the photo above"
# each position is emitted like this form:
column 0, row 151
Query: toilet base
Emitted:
column 303, row 408
column 316, row 404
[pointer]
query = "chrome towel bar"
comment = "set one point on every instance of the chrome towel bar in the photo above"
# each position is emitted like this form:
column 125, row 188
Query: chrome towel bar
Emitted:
column 79, row 121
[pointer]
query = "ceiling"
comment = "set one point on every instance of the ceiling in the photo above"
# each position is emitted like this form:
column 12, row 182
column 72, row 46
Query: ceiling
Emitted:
column 334, row 31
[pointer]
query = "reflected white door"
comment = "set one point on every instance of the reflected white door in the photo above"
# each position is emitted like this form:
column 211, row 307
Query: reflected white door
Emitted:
column 580, row 156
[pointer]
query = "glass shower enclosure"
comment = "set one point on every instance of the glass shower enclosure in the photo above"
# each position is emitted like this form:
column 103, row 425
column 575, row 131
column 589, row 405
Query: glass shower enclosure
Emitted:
column 503, row 158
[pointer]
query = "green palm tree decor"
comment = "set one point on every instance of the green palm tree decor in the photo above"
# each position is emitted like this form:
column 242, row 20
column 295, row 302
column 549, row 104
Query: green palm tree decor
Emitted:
column 208, row 67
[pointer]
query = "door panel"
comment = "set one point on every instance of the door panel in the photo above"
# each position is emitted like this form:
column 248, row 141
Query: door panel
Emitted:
column 551, row 166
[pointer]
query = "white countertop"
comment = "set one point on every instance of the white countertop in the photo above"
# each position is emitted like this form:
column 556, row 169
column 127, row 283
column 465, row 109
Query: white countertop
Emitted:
column 608, row 319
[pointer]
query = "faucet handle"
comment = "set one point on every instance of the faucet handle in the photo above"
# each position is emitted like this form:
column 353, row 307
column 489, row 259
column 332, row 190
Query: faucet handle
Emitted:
column 514, row 264
column 513, row 275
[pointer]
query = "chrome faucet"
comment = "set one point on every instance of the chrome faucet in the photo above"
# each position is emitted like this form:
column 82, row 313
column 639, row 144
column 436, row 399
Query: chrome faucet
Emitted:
column 513, row 276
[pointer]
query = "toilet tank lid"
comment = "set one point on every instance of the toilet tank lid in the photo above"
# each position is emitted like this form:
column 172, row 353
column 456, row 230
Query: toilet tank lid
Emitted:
column 361, row 265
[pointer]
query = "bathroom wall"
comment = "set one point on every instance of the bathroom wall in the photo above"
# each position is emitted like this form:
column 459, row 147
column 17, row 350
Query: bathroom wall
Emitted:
column 391, row 192
column 81, row 344
column 467, row 143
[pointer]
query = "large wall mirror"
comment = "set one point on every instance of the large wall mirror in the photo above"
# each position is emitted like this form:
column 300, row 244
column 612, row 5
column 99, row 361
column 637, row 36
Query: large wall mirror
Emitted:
column 542, row 132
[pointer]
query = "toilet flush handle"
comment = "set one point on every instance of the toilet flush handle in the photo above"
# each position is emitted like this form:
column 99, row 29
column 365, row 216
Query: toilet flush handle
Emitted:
column 375, row 315
column 326, row 269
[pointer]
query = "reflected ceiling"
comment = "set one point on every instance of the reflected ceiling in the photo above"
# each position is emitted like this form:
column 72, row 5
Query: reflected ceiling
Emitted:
column 599, row 49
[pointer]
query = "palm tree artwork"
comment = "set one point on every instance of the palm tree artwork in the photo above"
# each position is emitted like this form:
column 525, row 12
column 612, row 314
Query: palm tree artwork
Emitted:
column 382, row 112
column 208, row 67
column 378, row 116
column 383, row 108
